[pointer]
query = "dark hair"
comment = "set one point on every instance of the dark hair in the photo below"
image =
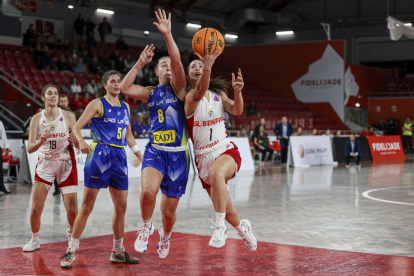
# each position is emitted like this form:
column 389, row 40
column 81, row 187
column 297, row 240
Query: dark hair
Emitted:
column 218, row 85
column 74, row 78
column 43, row 94
column 158, row 63
column 102, row 90
column 62, row 96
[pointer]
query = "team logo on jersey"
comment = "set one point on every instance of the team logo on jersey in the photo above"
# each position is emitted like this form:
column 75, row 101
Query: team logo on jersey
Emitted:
column 61, row 118
column 109, row 110
column 119, row 113
column 167, row 90
column 210, row 112
column 216, row 98
column 52, row 127
column 164, row 137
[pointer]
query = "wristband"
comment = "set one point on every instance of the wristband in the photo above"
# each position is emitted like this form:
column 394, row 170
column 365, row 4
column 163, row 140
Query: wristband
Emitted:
column 135, row 148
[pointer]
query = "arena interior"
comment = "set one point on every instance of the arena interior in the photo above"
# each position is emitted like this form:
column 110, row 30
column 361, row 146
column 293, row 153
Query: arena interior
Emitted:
column 325, row 135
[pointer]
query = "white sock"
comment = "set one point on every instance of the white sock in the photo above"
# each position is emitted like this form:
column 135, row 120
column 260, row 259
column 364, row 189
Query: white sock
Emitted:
column 118, row 244
column 220, row 218
column 35, row 236
column 165, row 235
column 147, row 223
column 69, row 229
column 240, row 229
column 73, row 244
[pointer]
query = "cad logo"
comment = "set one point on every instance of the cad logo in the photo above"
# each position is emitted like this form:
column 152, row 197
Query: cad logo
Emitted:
column 110, row 120
column 109, row 110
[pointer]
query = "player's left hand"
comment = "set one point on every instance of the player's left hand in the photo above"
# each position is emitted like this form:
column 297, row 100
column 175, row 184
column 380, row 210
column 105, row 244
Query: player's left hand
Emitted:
column 72, row 137
column 238, row 83
column 164, row 23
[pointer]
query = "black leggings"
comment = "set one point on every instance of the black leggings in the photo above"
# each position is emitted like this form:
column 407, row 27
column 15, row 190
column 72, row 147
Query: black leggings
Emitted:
column 263, row 151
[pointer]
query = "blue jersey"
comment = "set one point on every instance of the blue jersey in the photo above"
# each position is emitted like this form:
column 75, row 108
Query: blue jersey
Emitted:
column 168, row 122
column 111, row 127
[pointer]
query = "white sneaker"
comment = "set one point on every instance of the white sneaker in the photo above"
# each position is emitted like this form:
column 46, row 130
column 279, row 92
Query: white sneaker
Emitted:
column 347, row 166
column 163, row 246
column 248, row 238
column 358, row 166
column 32, row 245
column 141, row 243
column 219, row 237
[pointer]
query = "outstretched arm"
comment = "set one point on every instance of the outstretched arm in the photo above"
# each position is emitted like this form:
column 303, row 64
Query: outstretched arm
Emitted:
column 235, row 107
column 127, row 85
column 178, row 74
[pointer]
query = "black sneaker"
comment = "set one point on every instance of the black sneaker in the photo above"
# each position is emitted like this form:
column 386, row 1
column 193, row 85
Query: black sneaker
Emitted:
column 123, row 257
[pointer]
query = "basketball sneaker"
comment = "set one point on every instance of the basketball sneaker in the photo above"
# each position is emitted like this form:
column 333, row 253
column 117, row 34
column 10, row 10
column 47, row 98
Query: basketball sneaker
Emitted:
column 123, row 257
column 68, row 258
column 31, row 245
column 163, row 246
column 141, row 243
column 248, row 237
column 219, row 237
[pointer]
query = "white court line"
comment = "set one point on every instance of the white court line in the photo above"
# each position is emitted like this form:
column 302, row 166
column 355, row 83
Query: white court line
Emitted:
column 365, row 194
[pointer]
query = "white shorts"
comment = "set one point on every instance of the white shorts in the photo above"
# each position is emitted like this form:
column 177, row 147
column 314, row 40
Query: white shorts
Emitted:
column 205, row 161
column 65, row 173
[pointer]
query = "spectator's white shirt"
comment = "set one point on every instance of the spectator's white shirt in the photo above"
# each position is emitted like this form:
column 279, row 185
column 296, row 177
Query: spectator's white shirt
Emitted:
column 75, row 88
column 3, row 136
column 284, row 131
column 91, row 89
column 352, row 144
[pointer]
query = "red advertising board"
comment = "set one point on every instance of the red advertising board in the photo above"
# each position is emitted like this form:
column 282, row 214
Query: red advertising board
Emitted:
column 386, row 147
column 27, row 6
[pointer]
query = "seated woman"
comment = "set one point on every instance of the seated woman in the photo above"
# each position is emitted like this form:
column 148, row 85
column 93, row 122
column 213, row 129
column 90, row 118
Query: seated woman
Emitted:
column 260, row 142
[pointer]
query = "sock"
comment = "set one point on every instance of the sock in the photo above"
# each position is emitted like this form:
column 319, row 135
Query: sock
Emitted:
column 165, row 235
column 118, row 244
column 35, row 236
column 147, row 223
column 73, row 244
column 69, row 230
column 240, row 229
column 220, row 218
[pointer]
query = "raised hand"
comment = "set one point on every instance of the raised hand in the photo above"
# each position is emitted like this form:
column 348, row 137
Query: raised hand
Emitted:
column 209, row 58
column 164, row 23
column 238, row 83
column 45, row 135
column 147, row 54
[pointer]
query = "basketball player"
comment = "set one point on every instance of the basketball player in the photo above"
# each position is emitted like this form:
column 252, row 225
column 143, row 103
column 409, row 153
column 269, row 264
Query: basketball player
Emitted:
column 166, row 158
column 50, row 134
column 218, row 160
column 106, row 164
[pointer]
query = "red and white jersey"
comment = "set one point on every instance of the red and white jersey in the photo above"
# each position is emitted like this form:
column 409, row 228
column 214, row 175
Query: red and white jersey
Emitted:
column 206, row 125
column 57, row 147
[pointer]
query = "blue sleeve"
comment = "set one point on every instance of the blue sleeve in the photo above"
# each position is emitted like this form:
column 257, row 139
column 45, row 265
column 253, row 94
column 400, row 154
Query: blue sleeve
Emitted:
column 277, row 130
column 290, row 129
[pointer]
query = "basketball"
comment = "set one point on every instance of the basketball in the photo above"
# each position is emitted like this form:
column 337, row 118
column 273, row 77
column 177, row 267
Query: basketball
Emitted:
column 207, row 37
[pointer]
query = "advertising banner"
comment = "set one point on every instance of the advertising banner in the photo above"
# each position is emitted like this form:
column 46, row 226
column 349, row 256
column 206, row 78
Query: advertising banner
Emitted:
column 386, row 147
column 310, row 151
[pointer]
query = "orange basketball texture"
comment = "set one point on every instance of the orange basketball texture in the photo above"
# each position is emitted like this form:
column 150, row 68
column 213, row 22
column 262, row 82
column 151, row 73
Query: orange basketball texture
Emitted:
column 207, row 38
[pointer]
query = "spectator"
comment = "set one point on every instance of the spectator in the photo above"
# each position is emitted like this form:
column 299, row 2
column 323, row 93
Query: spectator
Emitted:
column 129, row 63
column 139, row 129
column 390, row 127
column 41, row 40
column 338, row 133
column 150, row 79
column 96, row 96
column 143, row 108
column 74, row 86
column 29, row 36
column 56, row 39
column 148, row 122
column 87, row 60
column 91, row 87
column 283, row 131
column 328, row 133
column 73, row 58
column 140, row 78
column 121, row 44
column 128, row 100
column 352, row 150
column 314, row 132
column 134, row 106
column 76, row 103
column 96, row 66
column 380, row 125
column 408, row 136
column 261, row 142
column 252, row 110
column 61, row 64
column 86, row 100
column 79, row 26
column 120, row 65
column 364, row 132
column 63, row 101
column 104, row 28
column 262, row 123
column 113, row 58
column 90, row 27
column 37, row 55
column 80, row 67
column 299, row 131
column 146, row 69
column 67, row 45
column 90, row 40
column 371, row 132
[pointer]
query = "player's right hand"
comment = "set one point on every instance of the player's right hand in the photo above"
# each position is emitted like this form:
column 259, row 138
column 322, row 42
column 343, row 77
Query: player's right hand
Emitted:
column 45, row 135
column 84, row 148
column 209, row 57
column 147, row 54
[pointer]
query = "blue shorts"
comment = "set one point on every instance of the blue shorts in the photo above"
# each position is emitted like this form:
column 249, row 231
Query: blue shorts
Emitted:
column 106, row 166
column 174, row 166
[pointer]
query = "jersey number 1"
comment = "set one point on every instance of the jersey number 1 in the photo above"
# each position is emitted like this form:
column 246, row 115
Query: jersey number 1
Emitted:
column 211, row 134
